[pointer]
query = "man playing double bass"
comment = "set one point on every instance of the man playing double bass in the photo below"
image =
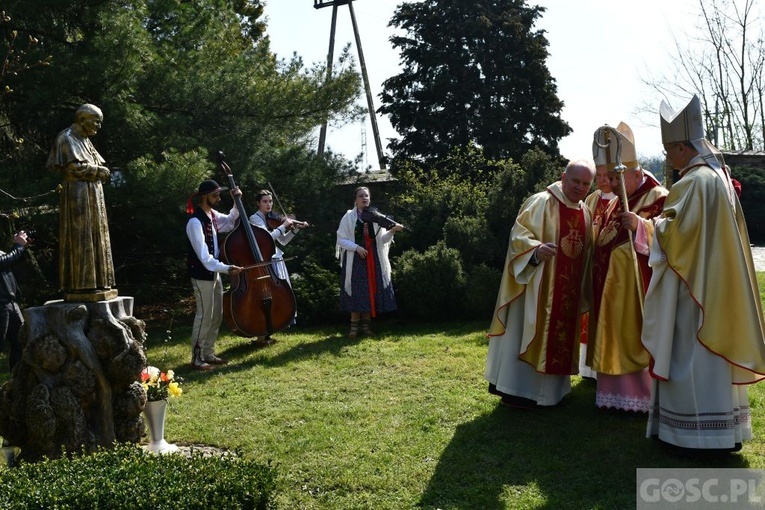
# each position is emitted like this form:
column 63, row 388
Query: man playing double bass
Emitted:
column 204, row 269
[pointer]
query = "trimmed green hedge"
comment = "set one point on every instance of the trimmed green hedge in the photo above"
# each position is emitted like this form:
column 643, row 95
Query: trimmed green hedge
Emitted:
column 127, row 477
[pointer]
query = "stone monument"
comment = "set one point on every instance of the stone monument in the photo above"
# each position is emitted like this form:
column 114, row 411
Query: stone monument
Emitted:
column 77, row 385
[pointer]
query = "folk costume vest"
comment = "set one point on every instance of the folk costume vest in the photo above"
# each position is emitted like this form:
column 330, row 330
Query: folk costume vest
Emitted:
column 195, row 268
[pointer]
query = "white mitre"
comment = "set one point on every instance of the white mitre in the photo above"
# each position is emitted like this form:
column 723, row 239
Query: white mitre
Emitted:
column 605, row 147
column 687, row 125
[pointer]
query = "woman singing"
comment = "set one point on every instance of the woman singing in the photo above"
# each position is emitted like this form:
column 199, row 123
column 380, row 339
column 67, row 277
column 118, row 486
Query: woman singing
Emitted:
column 365, row 279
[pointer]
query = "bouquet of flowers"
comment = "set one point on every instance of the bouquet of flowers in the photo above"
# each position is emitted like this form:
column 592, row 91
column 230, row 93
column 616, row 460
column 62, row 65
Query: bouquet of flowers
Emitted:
column 160, row 385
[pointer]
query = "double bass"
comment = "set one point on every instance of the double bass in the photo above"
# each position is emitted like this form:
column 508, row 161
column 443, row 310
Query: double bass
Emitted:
column 259, row 302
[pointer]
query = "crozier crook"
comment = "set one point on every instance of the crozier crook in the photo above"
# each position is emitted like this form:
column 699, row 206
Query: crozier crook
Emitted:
column 619, row 168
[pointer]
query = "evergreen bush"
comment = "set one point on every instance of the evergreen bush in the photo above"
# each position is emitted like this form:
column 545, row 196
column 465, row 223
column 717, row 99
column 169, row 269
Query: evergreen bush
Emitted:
column 430, row 285
column 126, row 477
column 317, row 291
column 752, row 201
column 481, row 291
column 470, row 236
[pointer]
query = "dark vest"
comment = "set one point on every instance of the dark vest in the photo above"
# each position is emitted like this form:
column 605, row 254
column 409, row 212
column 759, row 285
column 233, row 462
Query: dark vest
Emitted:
column 195, row 268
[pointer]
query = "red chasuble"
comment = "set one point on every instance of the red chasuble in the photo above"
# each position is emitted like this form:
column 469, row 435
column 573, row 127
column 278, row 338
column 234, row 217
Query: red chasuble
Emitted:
column 562, row 340
column 610, row 235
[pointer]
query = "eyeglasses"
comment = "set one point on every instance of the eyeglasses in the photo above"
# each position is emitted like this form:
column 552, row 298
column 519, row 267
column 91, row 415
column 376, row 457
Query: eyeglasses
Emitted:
column 673, row 145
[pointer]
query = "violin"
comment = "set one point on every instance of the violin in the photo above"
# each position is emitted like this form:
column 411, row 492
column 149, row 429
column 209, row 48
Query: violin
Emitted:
column 274, row 221
column 371, row 214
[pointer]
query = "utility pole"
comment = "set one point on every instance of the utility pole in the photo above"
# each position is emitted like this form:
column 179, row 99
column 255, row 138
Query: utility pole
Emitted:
column 318, row 4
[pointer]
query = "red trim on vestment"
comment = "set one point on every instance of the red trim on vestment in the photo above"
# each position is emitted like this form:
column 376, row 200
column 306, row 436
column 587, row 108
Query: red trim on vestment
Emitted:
column 562, row 338
column 703, row 313
column 509, row 268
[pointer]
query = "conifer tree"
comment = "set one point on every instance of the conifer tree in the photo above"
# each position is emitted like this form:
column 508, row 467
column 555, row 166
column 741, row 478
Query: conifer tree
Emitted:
column 473, row 72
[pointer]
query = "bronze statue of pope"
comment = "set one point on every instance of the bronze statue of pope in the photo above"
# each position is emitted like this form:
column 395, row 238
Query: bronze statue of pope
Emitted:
column 86, row 270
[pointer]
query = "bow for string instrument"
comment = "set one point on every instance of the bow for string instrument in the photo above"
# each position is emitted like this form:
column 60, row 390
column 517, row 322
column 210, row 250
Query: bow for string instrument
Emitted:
column 371, row 214
column 259, row 303
column 274, row 219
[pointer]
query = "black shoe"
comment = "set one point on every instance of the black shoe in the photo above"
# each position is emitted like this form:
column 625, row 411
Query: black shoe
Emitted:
column 697, row 452
column 518, row 402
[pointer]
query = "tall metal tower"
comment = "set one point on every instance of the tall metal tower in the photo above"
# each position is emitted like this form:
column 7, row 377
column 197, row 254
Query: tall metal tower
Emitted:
column 318, row 4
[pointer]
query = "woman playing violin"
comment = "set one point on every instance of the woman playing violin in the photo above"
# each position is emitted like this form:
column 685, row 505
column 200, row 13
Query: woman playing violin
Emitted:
column 365, row 276
column 283, row 233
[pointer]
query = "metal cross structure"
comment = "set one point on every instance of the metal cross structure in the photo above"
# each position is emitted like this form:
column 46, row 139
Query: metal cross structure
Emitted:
column 318, row 4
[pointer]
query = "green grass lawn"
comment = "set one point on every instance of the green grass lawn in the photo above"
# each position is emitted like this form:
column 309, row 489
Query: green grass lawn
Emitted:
column 404, row 420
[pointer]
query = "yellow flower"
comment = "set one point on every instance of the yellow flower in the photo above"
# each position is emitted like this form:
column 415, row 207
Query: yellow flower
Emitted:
column 174, row 389
column 159, row 385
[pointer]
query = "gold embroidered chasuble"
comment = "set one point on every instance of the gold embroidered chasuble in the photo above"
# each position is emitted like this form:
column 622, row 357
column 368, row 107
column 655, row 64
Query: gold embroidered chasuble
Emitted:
column 616, row 318
column 552, row 290
column 704, row 230
column 597, row 205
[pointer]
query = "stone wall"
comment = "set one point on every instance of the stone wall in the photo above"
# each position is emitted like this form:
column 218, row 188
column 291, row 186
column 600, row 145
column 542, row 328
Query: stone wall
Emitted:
column 749, row 159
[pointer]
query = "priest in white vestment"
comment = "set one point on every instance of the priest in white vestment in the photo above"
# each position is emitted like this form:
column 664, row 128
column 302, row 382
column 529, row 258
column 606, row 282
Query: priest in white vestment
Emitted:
column 703, row 324
column 534, row 335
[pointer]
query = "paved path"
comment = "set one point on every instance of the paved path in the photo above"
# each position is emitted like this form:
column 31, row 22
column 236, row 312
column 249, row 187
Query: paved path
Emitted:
column 758, row 254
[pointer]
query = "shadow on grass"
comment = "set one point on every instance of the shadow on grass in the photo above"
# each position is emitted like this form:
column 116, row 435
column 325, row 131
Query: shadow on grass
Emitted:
column 570, row 456
column 396, row 326
column 333, row 344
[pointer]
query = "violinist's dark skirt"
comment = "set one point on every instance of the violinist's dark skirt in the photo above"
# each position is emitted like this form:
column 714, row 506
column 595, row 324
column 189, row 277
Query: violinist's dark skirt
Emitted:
column 385, row 299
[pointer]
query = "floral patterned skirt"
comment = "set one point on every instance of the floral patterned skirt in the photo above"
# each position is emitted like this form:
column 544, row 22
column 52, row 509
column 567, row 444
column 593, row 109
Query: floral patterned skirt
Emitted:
column 358, row 300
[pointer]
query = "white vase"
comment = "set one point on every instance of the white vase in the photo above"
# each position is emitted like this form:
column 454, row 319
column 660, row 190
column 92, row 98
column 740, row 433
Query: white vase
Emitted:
column 155, row 420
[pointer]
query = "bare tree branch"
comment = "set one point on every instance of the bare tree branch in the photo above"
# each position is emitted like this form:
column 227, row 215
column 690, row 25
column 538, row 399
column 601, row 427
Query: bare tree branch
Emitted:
column 723, row 62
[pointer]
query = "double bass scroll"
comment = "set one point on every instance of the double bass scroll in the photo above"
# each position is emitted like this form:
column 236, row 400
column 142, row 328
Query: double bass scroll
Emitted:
column 259, row 302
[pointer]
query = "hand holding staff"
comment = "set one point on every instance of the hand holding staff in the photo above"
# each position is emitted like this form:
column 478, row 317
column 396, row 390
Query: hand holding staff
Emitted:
column 619, row 169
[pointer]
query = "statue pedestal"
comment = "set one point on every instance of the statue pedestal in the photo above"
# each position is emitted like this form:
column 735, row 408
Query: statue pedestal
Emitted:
column 91, row 297
column 8, row 456
column 76, row 385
